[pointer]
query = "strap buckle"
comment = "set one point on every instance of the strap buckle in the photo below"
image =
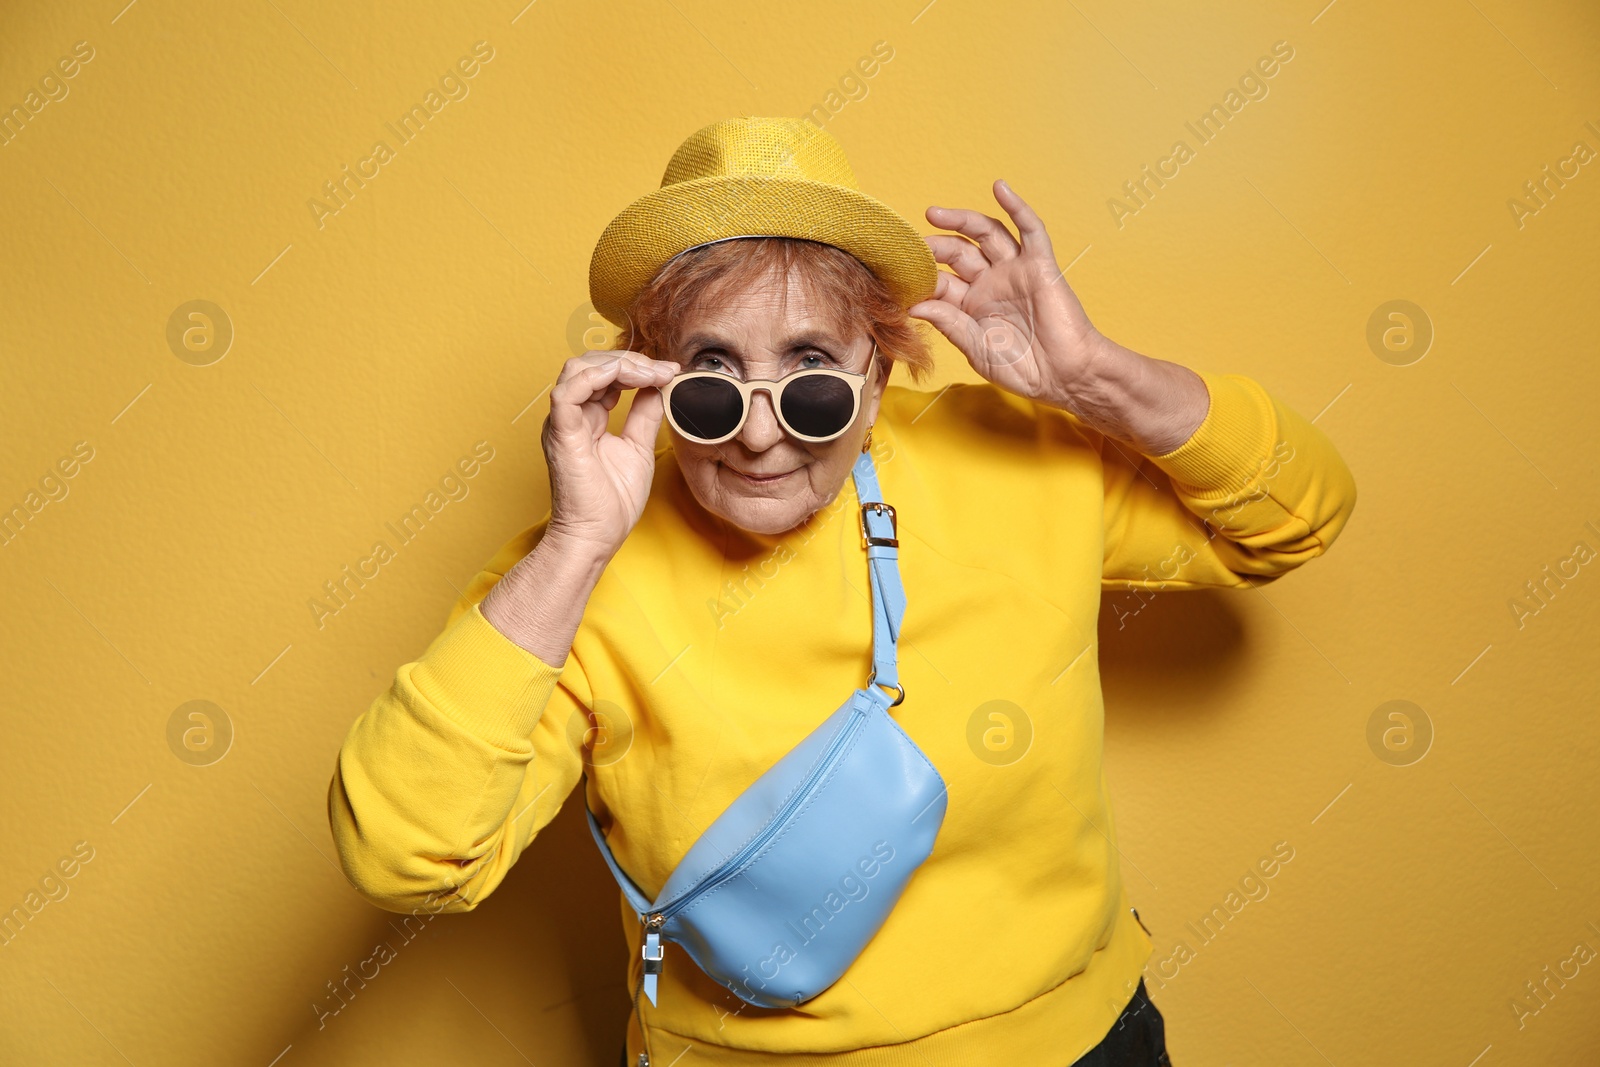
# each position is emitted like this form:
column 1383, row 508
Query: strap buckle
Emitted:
column 653, row 960
column 867, row 539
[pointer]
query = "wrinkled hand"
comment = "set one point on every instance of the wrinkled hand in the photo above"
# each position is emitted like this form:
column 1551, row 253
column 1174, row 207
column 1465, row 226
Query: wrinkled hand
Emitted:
column 600, row 481
column 1007, row 307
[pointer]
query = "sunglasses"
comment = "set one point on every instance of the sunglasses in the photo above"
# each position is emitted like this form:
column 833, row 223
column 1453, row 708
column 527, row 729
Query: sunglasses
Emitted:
column 816, row 405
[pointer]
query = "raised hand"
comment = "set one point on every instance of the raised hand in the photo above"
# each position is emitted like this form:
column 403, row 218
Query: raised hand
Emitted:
column 1008, row 309
column 600, row 481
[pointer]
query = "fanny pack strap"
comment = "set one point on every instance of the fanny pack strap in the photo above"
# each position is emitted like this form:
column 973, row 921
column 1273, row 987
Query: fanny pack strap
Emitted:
column 636, row 899
column 878, row 529
column 878, row 535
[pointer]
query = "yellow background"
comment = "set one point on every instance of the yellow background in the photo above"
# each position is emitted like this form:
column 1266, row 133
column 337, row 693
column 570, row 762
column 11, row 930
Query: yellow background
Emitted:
column 371, row 353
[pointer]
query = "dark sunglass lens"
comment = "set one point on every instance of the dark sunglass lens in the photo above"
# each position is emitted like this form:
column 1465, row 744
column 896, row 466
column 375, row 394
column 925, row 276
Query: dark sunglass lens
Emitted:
column 706, row 408
column 817, row 405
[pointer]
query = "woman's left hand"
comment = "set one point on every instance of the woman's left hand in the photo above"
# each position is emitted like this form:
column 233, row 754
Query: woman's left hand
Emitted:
column 1007, row 307
column 1010, row 311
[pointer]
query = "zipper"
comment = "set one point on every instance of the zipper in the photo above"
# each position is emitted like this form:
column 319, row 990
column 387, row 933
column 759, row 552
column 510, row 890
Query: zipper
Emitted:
column 654, row 948
column 655, row 954
column 644, row 1033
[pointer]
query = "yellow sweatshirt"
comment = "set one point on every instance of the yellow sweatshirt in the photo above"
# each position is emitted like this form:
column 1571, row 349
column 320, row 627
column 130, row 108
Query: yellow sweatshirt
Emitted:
column 706, row 652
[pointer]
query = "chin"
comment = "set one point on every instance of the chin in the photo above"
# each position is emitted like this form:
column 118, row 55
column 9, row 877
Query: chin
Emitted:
column 755, row 513
column 767, row 517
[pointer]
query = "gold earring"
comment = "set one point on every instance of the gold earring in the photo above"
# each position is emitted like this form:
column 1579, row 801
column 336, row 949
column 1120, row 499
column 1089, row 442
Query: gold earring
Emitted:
column 867, row 443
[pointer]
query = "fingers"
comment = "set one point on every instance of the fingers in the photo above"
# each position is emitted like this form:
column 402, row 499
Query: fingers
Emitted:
column 644, row 419
column 1029, row 225
column 590, row 378
column 962, row 330
column 960, row 254
column 596, row 358
column 994, row 240
column 950, row 288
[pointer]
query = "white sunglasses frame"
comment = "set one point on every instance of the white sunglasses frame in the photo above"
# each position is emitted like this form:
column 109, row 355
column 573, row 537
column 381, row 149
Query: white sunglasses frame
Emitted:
column 774, row 388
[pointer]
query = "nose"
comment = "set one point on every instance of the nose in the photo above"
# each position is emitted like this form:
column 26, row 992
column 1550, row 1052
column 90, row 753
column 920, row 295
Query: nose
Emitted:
column 761, row 428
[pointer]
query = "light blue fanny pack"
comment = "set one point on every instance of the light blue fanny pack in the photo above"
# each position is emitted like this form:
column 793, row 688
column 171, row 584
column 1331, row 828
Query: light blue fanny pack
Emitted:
column 778, row 897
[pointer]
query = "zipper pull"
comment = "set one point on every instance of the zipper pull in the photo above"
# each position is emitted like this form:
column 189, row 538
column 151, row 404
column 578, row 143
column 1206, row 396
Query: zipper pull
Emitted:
column 654, row 953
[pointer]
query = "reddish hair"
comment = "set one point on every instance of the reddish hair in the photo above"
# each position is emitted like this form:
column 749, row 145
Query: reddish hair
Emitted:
column 841, row 287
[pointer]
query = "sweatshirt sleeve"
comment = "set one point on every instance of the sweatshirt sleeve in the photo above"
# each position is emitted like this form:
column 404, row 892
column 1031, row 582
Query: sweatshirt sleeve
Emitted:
column 451, row 772
column 1255, row 492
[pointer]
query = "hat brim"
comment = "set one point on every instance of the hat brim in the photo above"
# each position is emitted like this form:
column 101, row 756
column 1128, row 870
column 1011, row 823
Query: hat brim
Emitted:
column 670, row 221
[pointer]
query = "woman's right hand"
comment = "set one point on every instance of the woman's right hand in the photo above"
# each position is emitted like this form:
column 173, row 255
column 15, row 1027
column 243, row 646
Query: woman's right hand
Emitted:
column 600, row 481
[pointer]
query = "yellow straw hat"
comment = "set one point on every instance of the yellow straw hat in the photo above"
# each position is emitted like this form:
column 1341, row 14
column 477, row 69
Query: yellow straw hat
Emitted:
column 756, row 177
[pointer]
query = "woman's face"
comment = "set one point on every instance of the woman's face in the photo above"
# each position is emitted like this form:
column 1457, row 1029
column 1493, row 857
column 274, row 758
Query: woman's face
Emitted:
column 752, row 336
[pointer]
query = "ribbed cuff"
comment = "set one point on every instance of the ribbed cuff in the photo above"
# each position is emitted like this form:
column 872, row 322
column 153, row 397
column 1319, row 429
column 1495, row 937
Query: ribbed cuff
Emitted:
column 1232, row 445
column 485, row 682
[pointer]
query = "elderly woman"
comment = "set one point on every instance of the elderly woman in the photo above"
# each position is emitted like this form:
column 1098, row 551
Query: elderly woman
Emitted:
column 686, row 615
